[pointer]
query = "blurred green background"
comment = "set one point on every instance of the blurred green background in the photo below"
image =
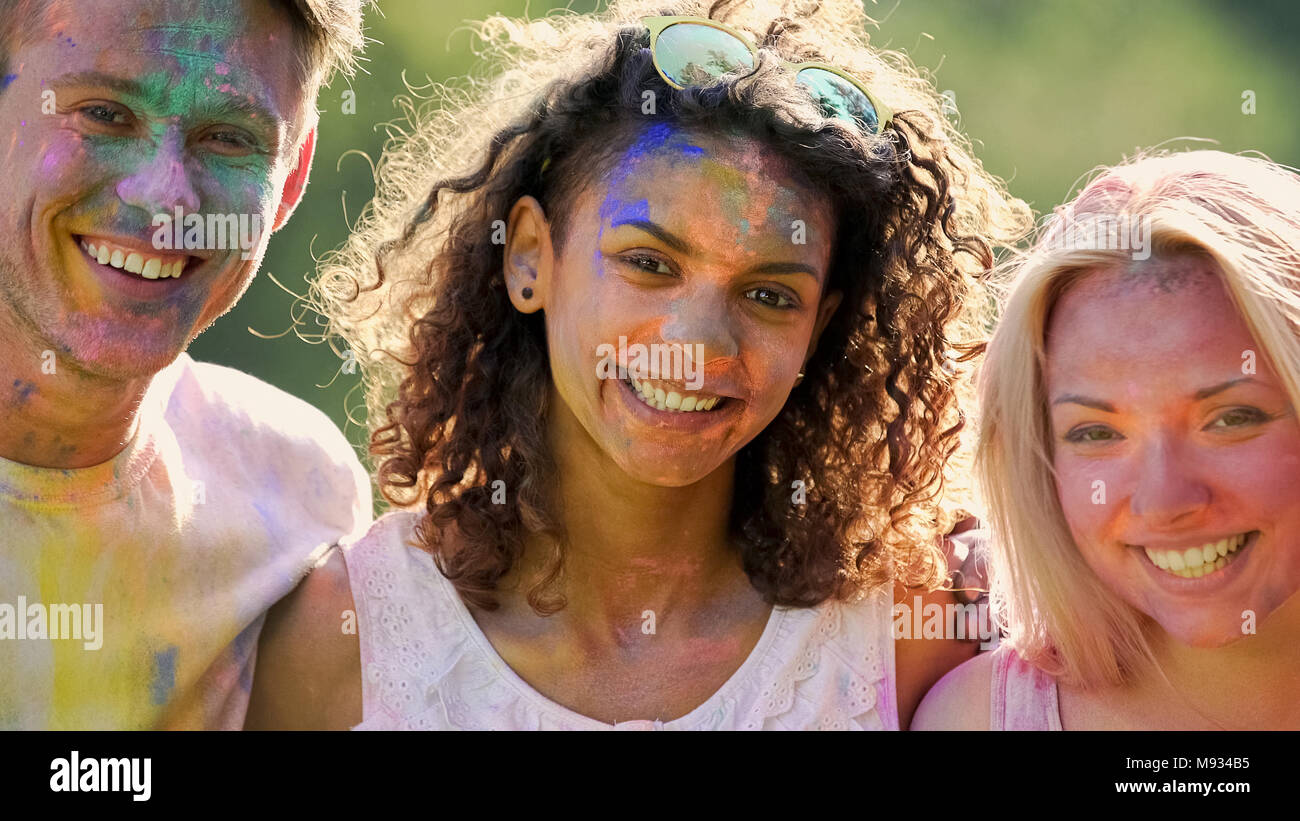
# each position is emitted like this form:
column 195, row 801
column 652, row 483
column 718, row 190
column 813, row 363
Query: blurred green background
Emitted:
column 1047, row 89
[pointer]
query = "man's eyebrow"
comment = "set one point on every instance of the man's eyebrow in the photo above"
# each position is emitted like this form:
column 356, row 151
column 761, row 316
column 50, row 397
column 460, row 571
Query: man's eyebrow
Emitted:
column 123, row 85
column 1206, row 393
column 1087, row 402
column 683, row 247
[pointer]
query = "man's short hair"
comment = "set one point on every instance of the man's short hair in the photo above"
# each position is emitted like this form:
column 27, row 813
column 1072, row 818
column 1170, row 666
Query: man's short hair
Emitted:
column 329, row 33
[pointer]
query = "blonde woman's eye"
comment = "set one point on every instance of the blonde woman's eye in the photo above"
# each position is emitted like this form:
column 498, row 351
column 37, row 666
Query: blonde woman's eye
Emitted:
column 1092, row 435
column 1239, row 417
column 770, row 297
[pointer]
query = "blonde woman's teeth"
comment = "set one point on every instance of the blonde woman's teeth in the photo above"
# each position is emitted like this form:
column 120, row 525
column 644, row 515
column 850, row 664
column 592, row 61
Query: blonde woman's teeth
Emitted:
column 133, row 261
column 659, row 399
column 1194, row 562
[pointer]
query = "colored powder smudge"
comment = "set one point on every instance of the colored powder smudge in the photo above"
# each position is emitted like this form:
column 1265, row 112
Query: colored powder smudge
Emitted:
column 6, row 80
column 164, row 675
column 222, row 69
column 24, row 390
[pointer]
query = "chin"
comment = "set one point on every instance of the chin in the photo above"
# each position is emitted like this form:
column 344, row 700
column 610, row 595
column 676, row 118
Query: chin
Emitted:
column 118, row 360
column 1209, row 632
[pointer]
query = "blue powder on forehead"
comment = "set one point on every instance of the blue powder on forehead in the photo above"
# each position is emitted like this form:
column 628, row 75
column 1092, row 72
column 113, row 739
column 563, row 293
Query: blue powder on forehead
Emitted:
column 656, row 136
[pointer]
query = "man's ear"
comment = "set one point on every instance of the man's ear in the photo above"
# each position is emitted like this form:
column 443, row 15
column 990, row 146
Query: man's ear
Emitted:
column 296, row 182
column 529, row 255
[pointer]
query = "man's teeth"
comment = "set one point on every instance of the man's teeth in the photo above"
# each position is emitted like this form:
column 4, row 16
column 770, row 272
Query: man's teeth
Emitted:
column 133, row 261
column 671, row 400
column 1195, row 562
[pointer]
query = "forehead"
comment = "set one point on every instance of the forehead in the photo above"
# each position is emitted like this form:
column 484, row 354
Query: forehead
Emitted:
column 733, row 179
column 1170, row 323
column 182, row 51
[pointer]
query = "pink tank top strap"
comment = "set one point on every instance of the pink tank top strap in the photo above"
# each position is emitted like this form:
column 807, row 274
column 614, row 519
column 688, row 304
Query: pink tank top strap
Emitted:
column 1022, row 696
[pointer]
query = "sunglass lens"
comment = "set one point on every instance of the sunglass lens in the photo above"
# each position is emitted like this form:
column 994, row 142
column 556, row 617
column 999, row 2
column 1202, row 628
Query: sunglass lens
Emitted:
column 695, row 54
column 840, row 97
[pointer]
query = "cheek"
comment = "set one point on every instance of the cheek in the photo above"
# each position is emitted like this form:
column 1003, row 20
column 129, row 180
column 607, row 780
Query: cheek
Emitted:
column 1090, row 493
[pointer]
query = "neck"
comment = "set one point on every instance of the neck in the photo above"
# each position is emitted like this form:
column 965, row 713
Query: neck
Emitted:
column 56, row 414
column 1252, row 680
column 634, row 547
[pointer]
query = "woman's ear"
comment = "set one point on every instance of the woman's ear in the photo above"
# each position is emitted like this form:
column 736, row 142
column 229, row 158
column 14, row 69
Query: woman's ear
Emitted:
column 824, row 313
column 529, row 255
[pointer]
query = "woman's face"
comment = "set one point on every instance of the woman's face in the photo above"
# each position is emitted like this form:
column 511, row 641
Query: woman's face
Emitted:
column 1177, row 450
column 704, row 256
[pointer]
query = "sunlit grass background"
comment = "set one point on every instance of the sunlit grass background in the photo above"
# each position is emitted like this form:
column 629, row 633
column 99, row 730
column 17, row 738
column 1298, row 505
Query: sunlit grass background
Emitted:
column 1048, row 90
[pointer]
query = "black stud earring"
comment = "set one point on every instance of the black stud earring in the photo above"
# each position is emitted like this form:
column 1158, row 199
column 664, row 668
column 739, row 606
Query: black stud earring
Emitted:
column 528, row 293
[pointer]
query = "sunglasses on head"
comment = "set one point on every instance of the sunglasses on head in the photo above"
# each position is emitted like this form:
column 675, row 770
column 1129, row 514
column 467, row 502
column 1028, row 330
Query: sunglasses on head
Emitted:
column 695, row 51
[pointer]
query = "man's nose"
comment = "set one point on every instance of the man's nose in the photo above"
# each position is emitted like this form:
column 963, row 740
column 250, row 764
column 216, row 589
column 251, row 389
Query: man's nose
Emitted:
column 160, row 182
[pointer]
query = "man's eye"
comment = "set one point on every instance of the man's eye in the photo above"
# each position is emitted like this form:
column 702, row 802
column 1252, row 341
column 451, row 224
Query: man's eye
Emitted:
column 105, row 114
column 1092, row 434
column 1238, row 417
column 230, row 142
column 770, row 297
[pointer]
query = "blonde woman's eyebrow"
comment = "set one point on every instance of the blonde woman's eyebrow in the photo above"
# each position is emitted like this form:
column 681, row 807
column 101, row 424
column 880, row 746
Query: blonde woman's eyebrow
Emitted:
column 1206, row 393
column 1097, row 404
column 1087, row 402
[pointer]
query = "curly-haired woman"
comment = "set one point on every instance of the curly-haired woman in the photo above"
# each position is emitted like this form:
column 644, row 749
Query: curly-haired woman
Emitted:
column 662, row 328
column 1141, row 456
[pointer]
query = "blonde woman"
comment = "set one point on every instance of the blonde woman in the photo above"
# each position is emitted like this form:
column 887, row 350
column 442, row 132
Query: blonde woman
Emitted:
column 1140, row 454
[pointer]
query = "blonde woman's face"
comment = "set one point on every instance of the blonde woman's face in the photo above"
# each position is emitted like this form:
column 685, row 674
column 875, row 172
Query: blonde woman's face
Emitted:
column 1177, row 451
column 705, row 256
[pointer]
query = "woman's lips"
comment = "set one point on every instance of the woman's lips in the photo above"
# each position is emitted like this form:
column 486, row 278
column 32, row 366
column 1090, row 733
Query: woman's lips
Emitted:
column 1221, row 572
column 722, row 408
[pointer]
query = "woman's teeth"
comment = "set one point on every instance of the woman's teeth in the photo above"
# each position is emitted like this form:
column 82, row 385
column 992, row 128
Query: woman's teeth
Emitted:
column 658, row 399
column 1195, row 562
column 133, row 261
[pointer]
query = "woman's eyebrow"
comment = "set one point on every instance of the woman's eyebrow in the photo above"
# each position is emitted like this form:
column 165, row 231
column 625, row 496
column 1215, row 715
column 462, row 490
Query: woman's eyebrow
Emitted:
column 660, row 233
column 1206, row 393
column 1087, row 402
column 1203, row 393
column 683, row 247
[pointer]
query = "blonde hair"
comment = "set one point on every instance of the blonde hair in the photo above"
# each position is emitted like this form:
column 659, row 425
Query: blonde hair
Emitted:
column 1240, row 213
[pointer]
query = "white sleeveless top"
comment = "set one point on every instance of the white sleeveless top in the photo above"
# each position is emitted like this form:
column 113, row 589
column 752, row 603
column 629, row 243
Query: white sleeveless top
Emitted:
column 426, row 665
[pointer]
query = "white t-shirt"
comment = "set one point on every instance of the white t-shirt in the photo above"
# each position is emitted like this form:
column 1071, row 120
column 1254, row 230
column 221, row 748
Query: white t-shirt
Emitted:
column 161, row 563
column 426, row 665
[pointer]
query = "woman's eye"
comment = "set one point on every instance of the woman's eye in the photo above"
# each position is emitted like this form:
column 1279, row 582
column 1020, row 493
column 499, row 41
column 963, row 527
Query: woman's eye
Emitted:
column 1238, row 417
column 648, row 263
column 770, row 297
column 1091, row 434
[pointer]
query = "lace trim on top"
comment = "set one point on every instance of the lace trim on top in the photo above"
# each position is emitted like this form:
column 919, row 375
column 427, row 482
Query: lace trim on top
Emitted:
column 427, row 665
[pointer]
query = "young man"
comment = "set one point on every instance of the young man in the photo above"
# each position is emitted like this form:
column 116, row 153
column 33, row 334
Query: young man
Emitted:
column 152, row 508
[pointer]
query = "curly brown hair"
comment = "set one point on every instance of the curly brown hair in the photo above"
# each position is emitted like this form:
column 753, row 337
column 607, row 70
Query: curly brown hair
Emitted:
column 458, row 380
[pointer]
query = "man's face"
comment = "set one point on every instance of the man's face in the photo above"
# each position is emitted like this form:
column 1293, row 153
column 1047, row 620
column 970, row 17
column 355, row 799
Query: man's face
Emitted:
column 125, row 111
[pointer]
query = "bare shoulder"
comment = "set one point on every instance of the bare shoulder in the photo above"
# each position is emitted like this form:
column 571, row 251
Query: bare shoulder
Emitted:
column 920, row 660
column 308, row 673
column 959, row 700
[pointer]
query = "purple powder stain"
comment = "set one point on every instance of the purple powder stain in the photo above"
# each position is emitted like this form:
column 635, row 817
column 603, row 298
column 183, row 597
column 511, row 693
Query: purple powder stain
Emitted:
column 222, row 69
column 24, row 390
column 164, row 675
